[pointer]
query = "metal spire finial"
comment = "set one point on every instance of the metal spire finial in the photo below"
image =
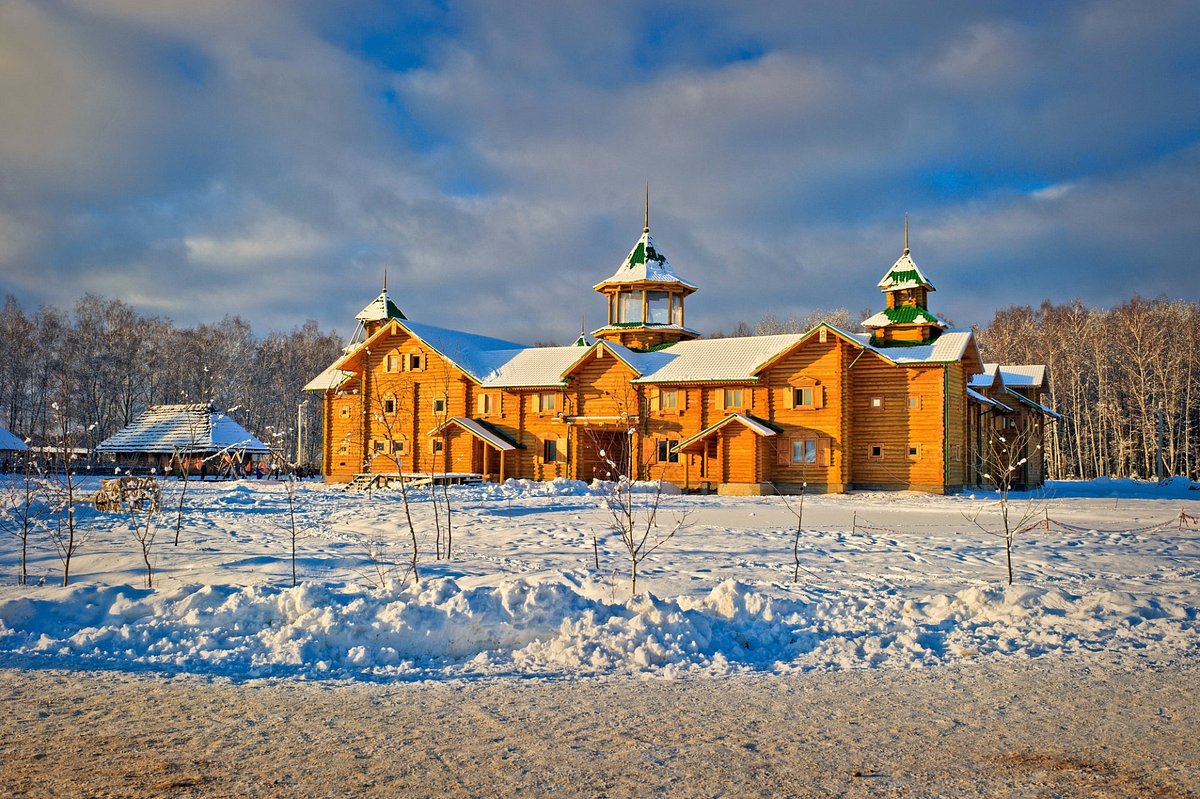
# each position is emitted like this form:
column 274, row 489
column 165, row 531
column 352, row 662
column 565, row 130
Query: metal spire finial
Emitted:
column 385, row 279
column 906, row 234
column 646, row 228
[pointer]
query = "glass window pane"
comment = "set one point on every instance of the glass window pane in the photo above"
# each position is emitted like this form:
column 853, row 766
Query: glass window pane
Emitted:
column 658, row 307
column 630, row 306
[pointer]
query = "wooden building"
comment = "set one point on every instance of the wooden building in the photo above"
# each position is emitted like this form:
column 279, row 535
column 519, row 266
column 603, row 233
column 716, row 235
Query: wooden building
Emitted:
column 892, row 407
column 164, row 434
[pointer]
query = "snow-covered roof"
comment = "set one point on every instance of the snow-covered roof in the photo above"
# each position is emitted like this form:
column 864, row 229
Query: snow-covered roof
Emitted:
column 9, row 442
column 757, row 425
column 381, row 307
column 1023, row 376
column 904, row 274
column 530, row 367
column 482, row 430
column 196, row 428
column 986, row 378
column 949, row 347
column 644, row 263
column 903, row 315
column 1013, row 376
column 720, row 360
column 332, row 377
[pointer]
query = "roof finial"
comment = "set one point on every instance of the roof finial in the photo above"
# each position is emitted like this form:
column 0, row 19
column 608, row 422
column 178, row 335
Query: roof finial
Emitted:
column 646, row 228
column 385, row 278
column 582, row 325
column 906, row 233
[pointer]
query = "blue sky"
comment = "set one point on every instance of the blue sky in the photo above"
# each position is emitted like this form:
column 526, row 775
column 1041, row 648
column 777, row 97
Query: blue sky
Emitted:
column 269, row 158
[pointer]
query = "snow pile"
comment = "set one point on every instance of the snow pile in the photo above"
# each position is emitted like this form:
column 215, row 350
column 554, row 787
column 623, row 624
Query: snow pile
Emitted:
column 558, row 626
column 1126, row 487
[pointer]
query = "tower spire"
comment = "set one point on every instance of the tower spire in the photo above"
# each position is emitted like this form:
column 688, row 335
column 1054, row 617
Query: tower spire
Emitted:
column 906, row 233
column 385, row 278
column 646, row 226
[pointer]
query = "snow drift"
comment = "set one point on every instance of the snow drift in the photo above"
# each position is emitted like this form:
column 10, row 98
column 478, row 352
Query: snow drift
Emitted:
column 544, row 627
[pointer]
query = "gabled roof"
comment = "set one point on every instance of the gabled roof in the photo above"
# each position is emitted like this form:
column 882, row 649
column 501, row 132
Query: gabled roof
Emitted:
column 716, row 360
column 166, row 429
column 758, row 426
column 332, row 377
column 904, row 274
column 1013, row 376
column 9, row 442
column 644, row 264
column 481, row 430
column 476, row 355
column 379, row 308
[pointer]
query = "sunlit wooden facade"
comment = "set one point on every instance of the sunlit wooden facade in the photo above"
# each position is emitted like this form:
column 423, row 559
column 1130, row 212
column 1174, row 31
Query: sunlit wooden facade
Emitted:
column 889, row 408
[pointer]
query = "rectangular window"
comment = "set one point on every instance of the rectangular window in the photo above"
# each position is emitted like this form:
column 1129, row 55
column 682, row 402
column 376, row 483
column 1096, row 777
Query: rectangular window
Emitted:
column 547, row 403
column 668, row 400
column 629, row 306
column 344, row 449
column 399, row 447
column 389, row 405
column 914, row 403
column 877, row 403
column 802, row 397
column 413, row 361
column 484, row 403
column 665, row 455
column 958, row 453
column 392, row 363
column 914, row 452
column 733, row 398
column 658, row 307
column 804, row 450
column 876, row 451
column 439, row 405
column 550, row 450
column 380, row 446
column 438, row 446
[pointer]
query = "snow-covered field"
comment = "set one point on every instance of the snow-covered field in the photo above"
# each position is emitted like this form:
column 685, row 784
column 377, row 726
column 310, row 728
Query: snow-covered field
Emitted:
column 886, row 581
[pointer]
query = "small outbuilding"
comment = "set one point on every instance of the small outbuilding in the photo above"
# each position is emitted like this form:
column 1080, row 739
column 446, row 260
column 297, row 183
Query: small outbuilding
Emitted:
column 165, row 437
column 11, row 448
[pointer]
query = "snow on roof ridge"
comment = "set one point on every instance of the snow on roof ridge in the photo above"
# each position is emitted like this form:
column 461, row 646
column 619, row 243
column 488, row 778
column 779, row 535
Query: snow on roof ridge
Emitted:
column 898, row 277
column 644, row 263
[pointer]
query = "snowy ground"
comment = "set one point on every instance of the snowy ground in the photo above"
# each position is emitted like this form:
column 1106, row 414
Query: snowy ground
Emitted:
column 886, row 581
column 900, row 663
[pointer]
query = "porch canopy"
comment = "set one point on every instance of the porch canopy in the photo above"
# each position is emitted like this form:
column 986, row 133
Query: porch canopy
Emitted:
column 481, row 430
column 695, row 443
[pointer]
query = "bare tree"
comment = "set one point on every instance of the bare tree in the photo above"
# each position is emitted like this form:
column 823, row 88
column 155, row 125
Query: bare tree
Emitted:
column 797, row 511
column 144, row 510
column 1005, row 454
column 65, row 532
column 23, row 509
column 634, row 515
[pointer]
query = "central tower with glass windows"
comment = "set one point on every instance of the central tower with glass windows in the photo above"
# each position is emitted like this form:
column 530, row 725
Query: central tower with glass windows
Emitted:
column 645, row 299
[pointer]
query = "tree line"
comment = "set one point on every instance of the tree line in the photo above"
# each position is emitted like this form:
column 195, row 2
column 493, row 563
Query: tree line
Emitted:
column 1121, row 377
column 103, row 363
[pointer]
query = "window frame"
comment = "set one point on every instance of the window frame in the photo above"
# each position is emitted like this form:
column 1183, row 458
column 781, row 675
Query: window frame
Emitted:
column 665, row 455
column 550, row 450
